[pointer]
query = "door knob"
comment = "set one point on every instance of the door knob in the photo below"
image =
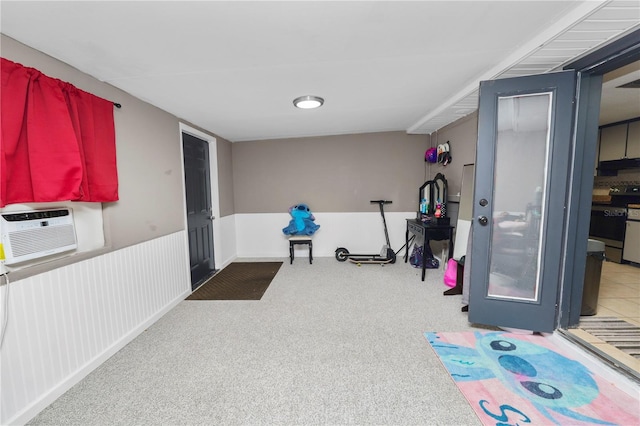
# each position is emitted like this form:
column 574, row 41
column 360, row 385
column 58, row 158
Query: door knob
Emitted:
column 483, row 220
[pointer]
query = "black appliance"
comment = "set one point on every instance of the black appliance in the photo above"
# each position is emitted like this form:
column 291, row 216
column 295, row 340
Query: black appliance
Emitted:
column 612, row 167
column 609, row 217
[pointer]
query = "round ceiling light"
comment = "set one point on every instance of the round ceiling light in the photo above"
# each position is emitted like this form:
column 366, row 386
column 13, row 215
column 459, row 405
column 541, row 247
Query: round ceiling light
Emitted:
column 308, row 102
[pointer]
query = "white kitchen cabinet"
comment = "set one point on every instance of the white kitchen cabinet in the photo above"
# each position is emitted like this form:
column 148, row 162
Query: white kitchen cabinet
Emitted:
column 633, row 140
column 613, row 142
column 632, row 237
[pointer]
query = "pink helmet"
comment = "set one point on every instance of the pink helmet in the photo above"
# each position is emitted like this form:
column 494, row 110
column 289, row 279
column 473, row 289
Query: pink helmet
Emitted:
column 431, row 155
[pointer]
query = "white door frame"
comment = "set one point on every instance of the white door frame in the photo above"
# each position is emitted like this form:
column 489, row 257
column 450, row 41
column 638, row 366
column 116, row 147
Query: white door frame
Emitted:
column 215, row 198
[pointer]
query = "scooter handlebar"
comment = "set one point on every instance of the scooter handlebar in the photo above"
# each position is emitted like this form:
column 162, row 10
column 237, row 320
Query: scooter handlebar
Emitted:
column 381, row 202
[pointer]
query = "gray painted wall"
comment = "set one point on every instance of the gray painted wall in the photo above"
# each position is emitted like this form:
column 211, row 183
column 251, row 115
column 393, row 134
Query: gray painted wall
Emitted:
column 148, row 155
column 462, row 136
column 341, row 166
column 332, row 174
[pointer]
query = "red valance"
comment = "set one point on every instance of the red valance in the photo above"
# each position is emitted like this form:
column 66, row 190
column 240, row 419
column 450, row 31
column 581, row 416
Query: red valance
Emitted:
column 57, row 142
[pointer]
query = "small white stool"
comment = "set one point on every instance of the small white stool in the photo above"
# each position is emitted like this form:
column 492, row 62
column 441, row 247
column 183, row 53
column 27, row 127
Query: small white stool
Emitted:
column 300, row 239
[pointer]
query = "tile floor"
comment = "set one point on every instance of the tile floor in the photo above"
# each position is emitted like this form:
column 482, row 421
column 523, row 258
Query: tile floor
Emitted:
column 619, row 297
column 620, row 292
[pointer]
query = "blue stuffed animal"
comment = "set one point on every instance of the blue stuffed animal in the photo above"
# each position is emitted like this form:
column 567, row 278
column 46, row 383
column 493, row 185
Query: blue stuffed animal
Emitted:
column 302, row 222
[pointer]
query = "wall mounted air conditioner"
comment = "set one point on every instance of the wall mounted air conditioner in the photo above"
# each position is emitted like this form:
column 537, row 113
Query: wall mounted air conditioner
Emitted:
column 34, row 234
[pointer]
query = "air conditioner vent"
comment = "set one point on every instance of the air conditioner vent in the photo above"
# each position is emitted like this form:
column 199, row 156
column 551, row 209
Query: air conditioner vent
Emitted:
column 34, row 234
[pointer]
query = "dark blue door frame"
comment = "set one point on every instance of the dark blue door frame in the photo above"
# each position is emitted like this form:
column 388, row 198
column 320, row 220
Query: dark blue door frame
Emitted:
column 590, row 70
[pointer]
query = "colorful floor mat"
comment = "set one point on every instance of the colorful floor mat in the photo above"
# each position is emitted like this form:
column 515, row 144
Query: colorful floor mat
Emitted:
column 524, row 379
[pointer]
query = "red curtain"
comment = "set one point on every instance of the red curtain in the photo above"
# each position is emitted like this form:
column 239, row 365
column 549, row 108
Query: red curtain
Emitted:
column 57, row 142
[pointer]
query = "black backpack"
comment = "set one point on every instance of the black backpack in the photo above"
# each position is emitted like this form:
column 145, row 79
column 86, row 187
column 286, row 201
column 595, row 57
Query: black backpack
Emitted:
column 417, row 255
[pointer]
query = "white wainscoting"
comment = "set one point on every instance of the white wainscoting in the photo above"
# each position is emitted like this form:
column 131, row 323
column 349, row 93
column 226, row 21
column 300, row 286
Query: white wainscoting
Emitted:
column 226, row 248
column 260, row 235
column 65, row 323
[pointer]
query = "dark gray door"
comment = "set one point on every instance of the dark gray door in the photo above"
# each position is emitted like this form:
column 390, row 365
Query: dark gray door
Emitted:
column 522, row 168
column 199, row 208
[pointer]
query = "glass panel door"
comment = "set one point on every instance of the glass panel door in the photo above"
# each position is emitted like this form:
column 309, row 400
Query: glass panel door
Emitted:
column 518, row 195
column 522, row 167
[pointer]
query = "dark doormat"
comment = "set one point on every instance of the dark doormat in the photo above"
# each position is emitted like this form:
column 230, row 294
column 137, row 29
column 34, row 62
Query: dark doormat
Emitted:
column 238, row 281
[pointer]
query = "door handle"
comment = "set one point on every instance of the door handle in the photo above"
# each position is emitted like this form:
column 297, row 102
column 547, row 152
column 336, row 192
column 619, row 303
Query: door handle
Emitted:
column 483, row 220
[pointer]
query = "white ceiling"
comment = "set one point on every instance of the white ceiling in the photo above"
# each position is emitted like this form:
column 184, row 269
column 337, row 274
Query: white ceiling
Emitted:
column 619, row 103
column 234, row 67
